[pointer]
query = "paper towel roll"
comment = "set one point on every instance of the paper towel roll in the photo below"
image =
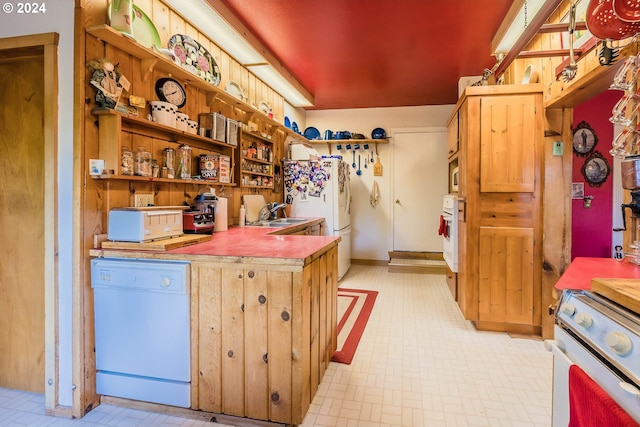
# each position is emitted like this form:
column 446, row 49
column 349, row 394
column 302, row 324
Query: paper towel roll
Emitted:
column 220, row 218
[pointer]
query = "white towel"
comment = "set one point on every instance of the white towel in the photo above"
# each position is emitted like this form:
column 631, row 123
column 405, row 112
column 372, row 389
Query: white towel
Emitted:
column 375, row 194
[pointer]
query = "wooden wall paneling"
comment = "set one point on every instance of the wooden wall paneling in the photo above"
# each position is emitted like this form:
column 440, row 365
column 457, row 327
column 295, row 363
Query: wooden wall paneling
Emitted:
column 469, row 139
column 281, row 312
column 175, row 25
column 233, row 337
column 160, row 14
column 557, row 210
column 256, row 381
column 210, row 352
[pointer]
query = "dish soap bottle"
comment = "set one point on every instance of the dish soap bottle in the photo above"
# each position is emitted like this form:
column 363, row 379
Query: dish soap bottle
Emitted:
column 243, row 216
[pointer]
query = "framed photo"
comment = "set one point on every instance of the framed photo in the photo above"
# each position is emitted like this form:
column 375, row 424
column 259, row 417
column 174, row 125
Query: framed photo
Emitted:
column 584, row 139
column 577, row 190
column 596, row 169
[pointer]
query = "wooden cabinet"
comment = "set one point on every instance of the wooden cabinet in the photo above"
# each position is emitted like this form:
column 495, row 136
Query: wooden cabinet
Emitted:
column 256, row 155
column 265, row 335
column 500, row 234
column 453, row 137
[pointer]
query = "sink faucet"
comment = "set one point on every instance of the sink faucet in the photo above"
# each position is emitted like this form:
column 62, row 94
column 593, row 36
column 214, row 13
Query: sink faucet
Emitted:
column 270, row 211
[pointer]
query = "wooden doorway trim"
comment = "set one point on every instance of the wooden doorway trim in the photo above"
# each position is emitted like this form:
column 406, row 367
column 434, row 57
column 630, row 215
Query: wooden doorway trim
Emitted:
column 46, row 45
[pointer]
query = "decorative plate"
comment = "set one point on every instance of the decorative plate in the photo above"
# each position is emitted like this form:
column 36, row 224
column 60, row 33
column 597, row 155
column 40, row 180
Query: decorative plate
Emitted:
column 144, row 31
column 194, row 58
column 287, row 122
column 311, row 133
column 294, row 127
column 264, row 107
column 234, row 89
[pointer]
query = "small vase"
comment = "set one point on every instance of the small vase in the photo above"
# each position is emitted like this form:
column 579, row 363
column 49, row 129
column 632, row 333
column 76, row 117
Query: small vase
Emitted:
column 121, row 16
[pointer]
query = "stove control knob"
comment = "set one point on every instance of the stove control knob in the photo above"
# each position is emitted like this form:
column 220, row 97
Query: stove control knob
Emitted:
column 583, row 320
column 619, row 342
column 568, row 309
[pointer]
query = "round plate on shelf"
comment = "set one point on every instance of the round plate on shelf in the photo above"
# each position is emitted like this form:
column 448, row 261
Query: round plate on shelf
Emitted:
column 311, row 133
column 194, row 58
column 294, row 127
column 264, row 107
column 287, row 122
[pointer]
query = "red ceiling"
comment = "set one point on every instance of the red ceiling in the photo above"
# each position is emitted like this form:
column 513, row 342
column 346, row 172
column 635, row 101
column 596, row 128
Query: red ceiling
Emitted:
column 377, row 53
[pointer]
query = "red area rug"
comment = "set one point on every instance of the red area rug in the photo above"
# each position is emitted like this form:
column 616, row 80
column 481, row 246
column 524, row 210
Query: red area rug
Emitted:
column 354, row 308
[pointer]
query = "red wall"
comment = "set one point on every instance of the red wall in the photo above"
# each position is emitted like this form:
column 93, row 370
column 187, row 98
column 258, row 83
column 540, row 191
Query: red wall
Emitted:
column 591, row 228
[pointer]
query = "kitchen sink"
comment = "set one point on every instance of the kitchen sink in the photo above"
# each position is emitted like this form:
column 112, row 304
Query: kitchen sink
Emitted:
column 281, row 222
column 289, row 220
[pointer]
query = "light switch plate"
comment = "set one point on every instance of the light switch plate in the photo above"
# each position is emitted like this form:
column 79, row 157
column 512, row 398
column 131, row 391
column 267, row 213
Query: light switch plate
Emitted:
column 558, row 148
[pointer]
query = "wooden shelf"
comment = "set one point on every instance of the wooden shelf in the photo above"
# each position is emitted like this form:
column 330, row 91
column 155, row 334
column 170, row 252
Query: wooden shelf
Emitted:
column 152, row 60
column 153, row 179
column 146, row 127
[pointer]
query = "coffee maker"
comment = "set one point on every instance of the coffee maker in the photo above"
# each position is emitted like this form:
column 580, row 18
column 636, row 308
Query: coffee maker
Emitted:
column 199, row 218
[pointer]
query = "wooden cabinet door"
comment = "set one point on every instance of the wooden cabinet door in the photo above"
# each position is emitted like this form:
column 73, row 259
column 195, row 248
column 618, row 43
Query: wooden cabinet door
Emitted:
column 508, row 135
column 506, row 278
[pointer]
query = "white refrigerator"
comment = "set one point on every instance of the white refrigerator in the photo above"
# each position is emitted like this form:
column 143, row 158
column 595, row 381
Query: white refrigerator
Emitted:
column 320, row 188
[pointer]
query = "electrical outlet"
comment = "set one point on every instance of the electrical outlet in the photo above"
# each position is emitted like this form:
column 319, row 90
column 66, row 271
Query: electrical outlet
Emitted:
column 142, row 200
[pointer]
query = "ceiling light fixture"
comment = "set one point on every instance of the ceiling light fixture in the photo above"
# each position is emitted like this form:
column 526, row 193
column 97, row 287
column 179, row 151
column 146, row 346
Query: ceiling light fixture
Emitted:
column 203, row 16
column 520, row 14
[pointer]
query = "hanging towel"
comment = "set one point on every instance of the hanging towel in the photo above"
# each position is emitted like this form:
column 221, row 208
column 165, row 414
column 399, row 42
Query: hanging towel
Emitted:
column 442, row 230
column 375, row 194
column 590, row 406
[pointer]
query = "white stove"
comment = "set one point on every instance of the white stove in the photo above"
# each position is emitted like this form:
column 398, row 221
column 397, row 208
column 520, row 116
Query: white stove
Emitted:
column 603, row 339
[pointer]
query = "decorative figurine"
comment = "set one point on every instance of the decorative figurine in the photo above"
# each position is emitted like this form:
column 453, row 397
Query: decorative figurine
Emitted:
column 109, row 82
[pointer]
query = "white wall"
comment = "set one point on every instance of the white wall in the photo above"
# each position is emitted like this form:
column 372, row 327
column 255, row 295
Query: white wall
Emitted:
column 371, row 225
column 58, row 18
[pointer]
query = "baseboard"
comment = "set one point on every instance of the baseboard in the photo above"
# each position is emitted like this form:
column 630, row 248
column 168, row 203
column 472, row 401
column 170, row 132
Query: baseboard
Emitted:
column 374, row 262
column 416, row 255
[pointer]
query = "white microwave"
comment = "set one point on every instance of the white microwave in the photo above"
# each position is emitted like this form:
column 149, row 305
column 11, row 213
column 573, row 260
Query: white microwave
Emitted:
column 454, row 180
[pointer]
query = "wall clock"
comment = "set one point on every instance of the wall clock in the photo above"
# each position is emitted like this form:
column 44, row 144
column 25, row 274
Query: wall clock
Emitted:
column 170, row 90
column 584, row 139
column 596, row 169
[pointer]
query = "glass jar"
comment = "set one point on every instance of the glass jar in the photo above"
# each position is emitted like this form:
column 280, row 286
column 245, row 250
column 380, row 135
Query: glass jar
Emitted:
column 126, row 161
column 143, row 162
column 169, row 156
column 183, row 168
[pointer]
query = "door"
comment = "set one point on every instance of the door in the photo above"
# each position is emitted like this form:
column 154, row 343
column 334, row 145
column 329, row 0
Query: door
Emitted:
column 22, row 211
column 420, row 179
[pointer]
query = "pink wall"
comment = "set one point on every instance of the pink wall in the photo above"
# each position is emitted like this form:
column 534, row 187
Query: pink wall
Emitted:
column 591, row 228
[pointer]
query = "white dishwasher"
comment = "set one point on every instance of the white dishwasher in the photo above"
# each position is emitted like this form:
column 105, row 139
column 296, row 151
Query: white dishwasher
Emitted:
column 142, row 329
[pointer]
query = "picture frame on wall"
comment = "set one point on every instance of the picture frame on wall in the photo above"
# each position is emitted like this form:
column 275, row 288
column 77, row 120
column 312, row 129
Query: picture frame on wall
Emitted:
column 584, row 139
column 577, row 190
column 596, row 169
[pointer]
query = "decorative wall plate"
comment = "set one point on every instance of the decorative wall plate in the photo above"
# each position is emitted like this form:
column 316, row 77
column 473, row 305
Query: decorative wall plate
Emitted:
column 596, row 169
column 194, row 58
column 584, row 139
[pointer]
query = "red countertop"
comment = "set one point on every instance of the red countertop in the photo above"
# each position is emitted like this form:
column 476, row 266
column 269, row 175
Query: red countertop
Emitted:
column 582, row 270
column 256, row 242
